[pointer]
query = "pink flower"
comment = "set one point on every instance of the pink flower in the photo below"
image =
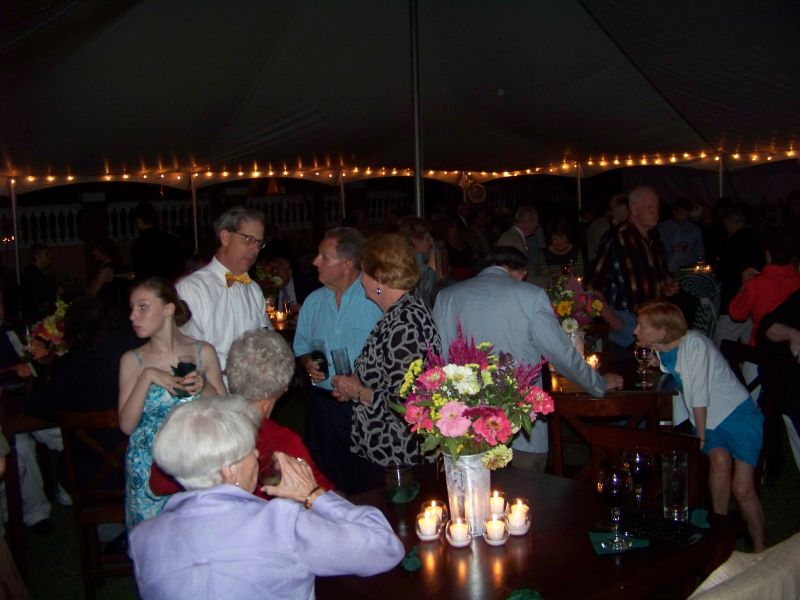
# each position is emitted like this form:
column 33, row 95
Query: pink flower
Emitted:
column 452, row 422
column 494, row 427
column 432, row 379
column 418, row 417
column 540, row 400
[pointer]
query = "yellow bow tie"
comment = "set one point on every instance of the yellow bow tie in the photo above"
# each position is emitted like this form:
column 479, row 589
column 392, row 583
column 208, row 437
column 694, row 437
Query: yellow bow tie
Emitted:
column 230, row 278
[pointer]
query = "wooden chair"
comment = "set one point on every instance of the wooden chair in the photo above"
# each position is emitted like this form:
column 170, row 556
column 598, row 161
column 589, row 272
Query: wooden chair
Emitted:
column 580, row 410
column 737, row 353
column 96, row 472
column 607, row 443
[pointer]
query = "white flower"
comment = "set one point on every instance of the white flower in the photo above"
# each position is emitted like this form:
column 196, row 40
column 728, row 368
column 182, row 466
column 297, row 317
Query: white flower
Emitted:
column 569, row 325
column 462, row 378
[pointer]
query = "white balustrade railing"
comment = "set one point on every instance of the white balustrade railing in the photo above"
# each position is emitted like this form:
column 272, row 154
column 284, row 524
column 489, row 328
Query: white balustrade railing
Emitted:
column 60, row 224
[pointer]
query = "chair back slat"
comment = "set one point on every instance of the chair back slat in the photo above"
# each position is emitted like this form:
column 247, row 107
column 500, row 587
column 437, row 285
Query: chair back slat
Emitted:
column 94, row 455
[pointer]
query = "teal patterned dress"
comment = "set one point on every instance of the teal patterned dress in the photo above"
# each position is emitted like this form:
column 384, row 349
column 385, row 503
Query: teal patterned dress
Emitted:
column 140, row 502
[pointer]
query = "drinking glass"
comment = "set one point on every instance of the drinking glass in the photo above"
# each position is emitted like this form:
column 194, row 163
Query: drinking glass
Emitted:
column 341, row 361
column 319, row 355
column 643, row 355
column 292, row 309
column 640, row 465
column 182, row 369
column 614, row 485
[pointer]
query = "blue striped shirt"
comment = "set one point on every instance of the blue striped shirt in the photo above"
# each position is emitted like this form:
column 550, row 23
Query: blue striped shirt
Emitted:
column 346, row 326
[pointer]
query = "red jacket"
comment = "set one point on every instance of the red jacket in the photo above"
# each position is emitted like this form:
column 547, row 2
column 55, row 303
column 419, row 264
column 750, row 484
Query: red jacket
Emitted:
column 271, row 438
column 763, row 294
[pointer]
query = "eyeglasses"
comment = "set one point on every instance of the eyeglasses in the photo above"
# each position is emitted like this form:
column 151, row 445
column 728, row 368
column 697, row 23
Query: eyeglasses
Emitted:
column 250, row 240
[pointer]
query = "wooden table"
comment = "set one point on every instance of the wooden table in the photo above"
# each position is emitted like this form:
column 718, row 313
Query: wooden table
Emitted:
column 554, row 558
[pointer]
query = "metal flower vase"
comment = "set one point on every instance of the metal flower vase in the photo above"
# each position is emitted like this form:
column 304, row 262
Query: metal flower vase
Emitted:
column 578, row 339
column 468, row 489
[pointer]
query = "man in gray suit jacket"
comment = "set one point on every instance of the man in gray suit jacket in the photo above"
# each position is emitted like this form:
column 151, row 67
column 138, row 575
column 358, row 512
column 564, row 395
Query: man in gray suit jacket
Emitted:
column 498, row 306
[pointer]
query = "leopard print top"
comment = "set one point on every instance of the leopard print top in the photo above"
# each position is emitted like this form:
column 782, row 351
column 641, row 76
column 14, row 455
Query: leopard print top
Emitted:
column 402, row 335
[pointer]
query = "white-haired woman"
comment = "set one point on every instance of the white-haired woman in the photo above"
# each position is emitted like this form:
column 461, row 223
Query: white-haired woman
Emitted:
column 260, row 367
column 218, row 540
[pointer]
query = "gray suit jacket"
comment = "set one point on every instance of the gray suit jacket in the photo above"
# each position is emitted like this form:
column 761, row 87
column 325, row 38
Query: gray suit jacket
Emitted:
column 517, row 318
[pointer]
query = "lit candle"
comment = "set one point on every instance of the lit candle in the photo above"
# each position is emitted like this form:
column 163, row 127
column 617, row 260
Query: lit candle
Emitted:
column 459, row 531
column 497, row 503
column 427, row 526
column 593, row 360
column 518, row 517
column 495, row 530
column 435, row 508
column 280, row 316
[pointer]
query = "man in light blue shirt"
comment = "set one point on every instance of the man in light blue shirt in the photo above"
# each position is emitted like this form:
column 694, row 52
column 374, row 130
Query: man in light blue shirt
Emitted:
column 337, row 315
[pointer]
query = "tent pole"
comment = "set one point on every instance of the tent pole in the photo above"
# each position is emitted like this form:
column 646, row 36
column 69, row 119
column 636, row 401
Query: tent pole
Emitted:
column 12, row 194
column 342, row 194
column 720, row 188
column 193, row 187
column 419, row 204
column 578, row 183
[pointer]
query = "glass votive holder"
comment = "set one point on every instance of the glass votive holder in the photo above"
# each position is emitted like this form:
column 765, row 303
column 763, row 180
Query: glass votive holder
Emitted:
column 519, row 516
column 437, row 508
column 427, row 526
column 458, row 532
column 497, row 503
column 495, row 530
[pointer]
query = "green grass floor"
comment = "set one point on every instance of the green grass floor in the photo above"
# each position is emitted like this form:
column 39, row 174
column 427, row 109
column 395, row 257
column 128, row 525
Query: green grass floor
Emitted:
column 54, row 571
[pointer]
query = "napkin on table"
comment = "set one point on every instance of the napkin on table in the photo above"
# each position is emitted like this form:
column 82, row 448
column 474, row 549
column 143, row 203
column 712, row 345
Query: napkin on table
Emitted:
column 598, row 537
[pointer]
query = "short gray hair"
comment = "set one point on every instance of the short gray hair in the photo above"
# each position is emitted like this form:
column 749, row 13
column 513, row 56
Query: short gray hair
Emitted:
column 349, row 243
column 232, row 219
column 200, row 437
column 637, row 194
column 260, row 365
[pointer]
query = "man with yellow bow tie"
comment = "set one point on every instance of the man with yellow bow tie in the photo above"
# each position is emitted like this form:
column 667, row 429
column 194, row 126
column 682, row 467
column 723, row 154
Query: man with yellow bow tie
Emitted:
column 224, row 301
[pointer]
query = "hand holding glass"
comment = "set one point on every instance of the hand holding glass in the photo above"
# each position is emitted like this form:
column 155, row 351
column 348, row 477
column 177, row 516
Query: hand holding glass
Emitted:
column 182, row 369
column 341, row 361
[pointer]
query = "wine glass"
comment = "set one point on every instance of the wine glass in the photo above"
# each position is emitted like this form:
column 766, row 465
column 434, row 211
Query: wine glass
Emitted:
column 185, row 366
column 614, row 485
column 640, row 465
column 643, row 355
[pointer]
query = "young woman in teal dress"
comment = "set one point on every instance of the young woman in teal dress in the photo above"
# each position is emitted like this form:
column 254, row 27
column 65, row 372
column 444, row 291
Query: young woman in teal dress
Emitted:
column 148, row 389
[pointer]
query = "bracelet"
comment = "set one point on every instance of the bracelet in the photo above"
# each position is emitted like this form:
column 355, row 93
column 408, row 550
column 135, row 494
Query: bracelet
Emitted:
column 309, row 501
column 358, row 395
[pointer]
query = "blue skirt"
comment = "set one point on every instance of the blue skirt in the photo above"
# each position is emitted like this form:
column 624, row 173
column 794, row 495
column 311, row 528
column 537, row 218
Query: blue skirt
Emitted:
column 741, row 433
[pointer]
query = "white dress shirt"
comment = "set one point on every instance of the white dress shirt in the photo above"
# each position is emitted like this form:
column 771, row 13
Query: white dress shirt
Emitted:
column 220, row 314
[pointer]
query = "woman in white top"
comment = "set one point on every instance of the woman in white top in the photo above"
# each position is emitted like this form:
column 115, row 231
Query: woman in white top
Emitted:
column 723, row 415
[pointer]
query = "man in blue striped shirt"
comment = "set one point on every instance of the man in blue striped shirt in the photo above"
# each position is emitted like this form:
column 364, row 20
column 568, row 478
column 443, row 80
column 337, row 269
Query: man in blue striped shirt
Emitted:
column 337, row 315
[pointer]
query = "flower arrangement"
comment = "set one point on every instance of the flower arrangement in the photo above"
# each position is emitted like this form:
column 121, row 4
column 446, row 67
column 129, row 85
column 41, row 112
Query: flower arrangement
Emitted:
column 574, row 306
column 270, row 284
column 51, row 329
column 475, row 403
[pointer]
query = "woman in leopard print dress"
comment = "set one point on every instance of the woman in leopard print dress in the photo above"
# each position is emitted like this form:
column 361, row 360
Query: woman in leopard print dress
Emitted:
column 403, row 334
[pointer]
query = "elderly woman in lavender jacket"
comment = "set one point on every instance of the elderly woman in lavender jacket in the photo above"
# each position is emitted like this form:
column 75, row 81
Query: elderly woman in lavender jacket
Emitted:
column 218, row 540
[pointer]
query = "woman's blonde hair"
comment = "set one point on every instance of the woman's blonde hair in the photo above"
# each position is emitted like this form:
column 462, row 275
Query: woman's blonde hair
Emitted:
column 664, row 315
column 391, row 260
